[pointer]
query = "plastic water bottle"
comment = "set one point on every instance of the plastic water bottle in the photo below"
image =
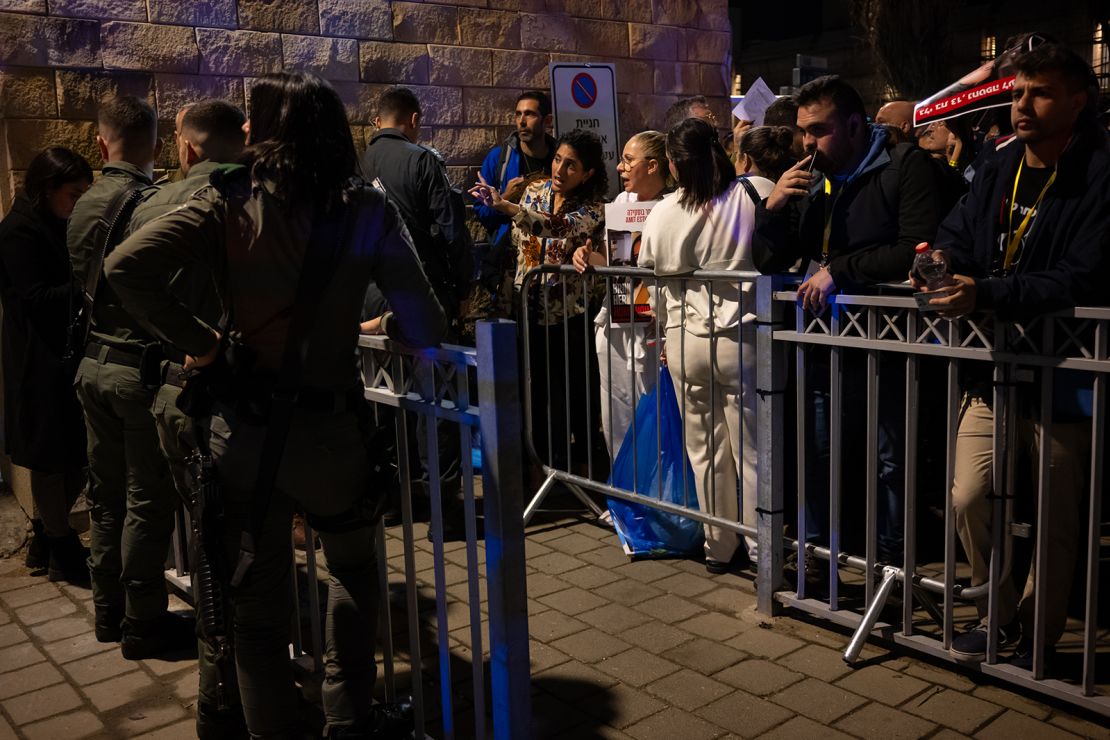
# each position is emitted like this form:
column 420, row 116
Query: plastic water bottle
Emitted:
column 930, row 267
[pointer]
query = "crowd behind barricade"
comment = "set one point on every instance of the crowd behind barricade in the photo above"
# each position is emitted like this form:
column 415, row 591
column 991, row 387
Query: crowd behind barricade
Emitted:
column 153, row 328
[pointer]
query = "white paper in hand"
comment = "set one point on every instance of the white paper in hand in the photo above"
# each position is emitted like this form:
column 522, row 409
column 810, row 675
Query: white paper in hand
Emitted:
column 755, row 103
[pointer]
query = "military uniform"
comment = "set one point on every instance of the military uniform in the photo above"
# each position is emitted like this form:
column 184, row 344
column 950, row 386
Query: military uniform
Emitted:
column 130, row 489
column 256, row 244
column 195, row 287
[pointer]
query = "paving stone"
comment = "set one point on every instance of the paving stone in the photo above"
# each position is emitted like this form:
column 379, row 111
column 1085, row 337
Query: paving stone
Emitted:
column 533, row 549
column 572, row 601
column 622, row 706
column 543, row 656
column 5, row 618
column 803, row 727
column 615, row 619
column 554, row 563
column 688, row 689
column 70, row 726
column 605, row 557
column 186, row 730
column 10, row 634
column 542, row 584
column 817, row 661
column 79, row 646
column 669, row 608
column 572, row 680
column 637, row 667
column 1080, row 727
column 744, row 714
column 98, row 667
column 713, row 626
column 10, row 584
column 160, row 667
column 1011, row 700
column 758, row 677
column 645, row 571
column 41, row 703
column 685, row 584
column 59, row 629
column 705, row 656
column 78, row 593
column 115, row 692
column 589, row 577
column 657, row 636
column 551, row 625
column 19, row 655
column 765, row 643
column 27, row 679
column 882, row 684
column 1015, row 724
column 629, row 593
column 573, row 543
column 673, row 723
column 551, row 716
column 876, row 720
column 6, row 731
column 728, row 600
column 19, row 597
column 590, row 646
column 949, row 734
column 152, row 717
column 960, row 711
column 44, row 611
column 932, row 674
column 818, row 700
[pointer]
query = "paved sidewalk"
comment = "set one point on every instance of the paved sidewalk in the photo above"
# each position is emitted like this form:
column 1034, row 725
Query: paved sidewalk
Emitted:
column 620, row 650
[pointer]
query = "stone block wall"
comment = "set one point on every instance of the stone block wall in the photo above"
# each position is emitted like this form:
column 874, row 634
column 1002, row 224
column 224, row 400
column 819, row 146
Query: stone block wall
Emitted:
column 466, row 60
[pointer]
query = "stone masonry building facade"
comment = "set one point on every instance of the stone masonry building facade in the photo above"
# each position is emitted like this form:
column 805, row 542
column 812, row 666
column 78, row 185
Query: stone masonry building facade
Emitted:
column 466, row 60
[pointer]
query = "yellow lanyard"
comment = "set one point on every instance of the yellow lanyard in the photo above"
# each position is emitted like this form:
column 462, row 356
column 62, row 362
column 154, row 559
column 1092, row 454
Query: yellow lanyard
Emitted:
column 830, row 204
column 1015, row 236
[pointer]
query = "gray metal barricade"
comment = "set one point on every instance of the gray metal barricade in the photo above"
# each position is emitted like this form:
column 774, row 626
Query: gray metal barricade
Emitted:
column 889, row 332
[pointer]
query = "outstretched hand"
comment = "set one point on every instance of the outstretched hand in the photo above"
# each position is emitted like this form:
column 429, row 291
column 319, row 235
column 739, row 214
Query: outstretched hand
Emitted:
column 491, row 197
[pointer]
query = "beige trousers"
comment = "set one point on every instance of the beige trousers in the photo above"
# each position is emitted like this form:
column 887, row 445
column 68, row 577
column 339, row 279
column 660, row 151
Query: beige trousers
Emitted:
column 720, row 428
column 971, row 487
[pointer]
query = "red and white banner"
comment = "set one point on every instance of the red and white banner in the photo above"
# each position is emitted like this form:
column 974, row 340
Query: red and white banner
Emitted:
column 979, row 90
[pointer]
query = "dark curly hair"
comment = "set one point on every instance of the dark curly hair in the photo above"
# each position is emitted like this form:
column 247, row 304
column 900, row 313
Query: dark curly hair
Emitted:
column 587, row 146
column 301, row 141
column 50, row 169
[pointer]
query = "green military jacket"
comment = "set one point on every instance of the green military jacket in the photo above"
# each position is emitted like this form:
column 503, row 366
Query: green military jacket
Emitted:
column 194, row 284
column 255, row 243
column 109, row 322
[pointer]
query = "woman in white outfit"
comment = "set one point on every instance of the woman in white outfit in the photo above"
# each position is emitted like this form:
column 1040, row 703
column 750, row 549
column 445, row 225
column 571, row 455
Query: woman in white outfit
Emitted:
column 628, row 366
column 707, row 224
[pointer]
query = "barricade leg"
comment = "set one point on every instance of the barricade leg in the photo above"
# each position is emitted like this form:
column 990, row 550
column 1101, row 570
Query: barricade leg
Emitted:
column 770, row 380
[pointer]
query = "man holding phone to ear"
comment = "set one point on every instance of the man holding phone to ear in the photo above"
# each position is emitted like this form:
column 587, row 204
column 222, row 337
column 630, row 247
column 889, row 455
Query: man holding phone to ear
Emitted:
column 855, row 206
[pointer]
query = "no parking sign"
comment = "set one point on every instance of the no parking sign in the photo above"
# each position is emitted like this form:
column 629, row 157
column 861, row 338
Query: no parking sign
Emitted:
column 585, row 96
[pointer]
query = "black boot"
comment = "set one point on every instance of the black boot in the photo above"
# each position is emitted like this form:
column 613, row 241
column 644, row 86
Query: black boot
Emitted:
column 69, row 560
column 214, row 723
column 388, row 721
column 108, row 624
column 149, row 638
column 38, row 548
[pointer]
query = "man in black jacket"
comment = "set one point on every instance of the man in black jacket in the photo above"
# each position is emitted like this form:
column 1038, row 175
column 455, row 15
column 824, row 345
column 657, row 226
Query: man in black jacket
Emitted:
column 1031, row 237
column 414, row 178
column 857, row 213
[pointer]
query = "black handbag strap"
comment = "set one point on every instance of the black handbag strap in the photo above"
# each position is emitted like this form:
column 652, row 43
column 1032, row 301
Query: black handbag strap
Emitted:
column 321, row 260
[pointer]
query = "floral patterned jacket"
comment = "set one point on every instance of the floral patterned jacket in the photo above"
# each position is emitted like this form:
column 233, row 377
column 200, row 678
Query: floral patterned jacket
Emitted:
column 541, row 237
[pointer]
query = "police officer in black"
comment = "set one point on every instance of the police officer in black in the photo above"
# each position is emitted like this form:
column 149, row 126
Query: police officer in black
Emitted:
column 293, row 240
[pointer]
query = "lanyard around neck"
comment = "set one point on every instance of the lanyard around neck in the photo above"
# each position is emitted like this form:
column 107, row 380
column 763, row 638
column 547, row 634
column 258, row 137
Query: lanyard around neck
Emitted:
column 1015, row 236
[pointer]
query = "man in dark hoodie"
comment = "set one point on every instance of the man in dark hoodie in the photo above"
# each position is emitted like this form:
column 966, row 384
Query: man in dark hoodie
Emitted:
column 857, row 214
column 1032, row 237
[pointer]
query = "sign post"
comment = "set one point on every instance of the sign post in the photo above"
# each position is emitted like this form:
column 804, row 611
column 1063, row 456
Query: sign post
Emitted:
column 585, row 96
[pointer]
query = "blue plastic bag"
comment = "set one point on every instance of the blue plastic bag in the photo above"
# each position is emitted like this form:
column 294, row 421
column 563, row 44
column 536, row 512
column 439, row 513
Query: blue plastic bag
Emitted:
column 643, row 530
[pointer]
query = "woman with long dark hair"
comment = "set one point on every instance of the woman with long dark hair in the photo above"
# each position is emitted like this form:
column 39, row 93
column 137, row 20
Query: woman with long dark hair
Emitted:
column 293, row 239
column 707, row 224
column 555, row 217
column 44, row 431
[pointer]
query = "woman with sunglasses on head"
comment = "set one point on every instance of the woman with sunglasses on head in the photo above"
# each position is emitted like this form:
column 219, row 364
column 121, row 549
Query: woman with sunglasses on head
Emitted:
column 627, row 365
column 293, row 238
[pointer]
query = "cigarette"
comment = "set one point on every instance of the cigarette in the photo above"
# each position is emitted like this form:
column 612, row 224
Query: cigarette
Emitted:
column 812, row 161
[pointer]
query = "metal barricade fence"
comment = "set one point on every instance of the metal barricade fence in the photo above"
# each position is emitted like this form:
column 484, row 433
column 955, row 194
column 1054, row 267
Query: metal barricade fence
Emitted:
column 439, row 385
column 879, row 358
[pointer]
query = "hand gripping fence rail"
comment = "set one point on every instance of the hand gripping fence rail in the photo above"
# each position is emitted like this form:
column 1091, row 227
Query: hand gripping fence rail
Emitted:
column 405, row 386
column 881, row 408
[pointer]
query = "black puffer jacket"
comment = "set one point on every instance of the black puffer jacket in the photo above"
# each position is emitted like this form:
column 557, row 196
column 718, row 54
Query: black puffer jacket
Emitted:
column 882, row 214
